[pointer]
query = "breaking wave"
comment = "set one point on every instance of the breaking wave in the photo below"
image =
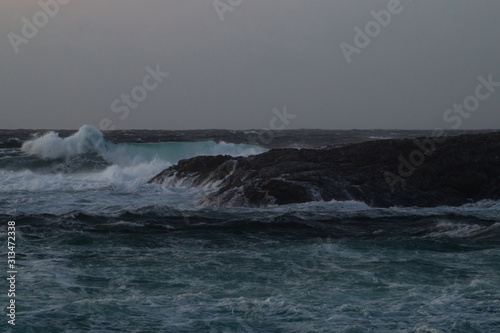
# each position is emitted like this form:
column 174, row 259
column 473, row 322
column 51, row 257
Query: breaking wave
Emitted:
column 89, row 140
column 88, row 161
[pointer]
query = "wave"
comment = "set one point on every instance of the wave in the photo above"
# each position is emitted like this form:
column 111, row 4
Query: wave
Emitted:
column 86, row 161
column 274, row 222
column 89, row 140
column 11, row 143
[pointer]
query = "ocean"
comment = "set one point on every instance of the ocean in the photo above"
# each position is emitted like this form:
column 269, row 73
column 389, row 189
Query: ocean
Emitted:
column 98, row 249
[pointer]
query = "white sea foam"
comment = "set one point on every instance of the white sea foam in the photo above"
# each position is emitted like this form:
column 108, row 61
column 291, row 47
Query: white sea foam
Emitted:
column 447, row 228
column 51, row 146
column 90, row 140
column 131, row 165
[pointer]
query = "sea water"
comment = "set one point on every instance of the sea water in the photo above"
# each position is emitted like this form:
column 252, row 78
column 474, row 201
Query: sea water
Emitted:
column 100, row 250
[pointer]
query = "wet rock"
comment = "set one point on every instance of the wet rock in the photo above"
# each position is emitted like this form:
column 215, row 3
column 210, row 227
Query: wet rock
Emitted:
column 423, row 172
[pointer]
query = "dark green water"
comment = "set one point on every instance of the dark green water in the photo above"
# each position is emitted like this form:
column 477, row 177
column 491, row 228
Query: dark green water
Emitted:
column 287, row 274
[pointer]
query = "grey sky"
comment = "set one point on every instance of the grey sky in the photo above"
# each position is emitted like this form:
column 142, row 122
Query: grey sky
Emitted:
column 265, row 54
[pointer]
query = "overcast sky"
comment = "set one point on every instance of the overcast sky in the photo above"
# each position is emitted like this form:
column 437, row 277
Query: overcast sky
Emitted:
column 263, row 54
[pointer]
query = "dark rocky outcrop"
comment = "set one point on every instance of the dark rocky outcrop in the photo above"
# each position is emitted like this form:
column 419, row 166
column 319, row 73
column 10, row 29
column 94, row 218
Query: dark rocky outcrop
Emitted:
column 445, row 171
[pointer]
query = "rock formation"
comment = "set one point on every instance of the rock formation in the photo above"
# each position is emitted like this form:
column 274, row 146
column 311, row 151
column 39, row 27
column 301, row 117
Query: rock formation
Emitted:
column 425, row 172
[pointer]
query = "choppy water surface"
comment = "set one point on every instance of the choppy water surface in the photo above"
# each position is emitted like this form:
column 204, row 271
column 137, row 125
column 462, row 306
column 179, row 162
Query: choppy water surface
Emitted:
column 99, row 250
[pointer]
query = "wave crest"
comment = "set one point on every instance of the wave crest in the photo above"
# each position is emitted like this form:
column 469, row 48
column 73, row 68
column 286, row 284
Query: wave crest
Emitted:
column 88, row 139
column 51, row 146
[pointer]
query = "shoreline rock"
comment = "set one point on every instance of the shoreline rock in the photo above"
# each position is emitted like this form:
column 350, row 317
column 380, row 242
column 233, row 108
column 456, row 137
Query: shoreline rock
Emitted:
column 460, row 170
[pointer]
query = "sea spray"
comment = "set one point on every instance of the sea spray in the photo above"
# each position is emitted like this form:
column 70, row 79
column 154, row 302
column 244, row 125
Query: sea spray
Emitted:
column 89, row 139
